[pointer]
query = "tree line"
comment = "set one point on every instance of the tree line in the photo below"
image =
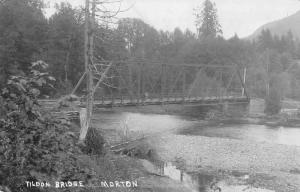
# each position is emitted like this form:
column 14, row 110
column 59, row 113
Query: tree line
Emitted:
column 26, row 35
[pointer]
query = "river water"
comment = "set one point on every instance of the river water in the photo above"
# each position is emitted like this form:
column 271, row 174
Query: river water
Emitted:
column 250, row 132
column 152, row 123
column 145, row 124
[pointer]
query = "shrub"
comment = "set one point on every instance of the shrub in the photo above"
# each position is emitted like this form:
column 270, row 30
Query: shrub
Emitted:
column 273, row 102
column 94, row 142
column 34, row 146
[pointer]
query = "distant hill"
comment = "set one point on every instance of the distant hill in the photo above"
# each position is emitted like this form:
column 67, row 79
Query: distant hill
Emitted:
column 281, row 27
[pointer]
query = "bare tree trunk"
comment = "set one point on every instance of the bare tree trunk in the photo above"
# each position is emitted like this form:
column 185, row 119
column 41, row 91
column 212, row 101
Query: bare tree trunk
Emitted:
column 244, row 81
column 90, row 79
column 268, row 75
column 85, row 124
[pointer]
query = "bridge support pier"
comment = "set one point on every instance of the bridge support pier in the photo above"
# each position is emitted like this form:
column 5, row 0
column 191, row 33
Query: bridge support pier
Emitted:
column 235, row 109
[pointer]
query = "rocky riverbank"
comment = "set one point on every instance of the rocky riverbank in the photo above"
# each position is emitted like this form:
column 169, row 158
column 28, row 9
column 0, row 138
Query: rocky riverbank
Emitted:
column 247, row 165
column 272, row 166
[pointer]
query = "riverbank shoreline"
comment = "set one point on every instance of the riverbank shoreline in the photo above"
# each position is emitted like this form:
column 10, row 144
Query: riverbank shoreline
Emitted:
column 274, row 121
column 259, row 164
column 201, row 154
column 269, row 165
column 214, row 114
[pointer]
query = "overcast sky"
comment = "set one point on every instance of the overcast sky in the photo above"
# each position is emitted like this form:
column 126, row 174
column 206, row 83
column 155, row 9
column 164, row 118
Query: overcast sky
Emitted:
column 236, row 16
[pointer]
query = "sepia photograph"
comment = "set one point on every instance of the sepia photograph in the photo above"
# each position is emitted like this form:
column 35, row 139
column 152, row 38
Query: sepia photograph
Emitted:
column 149, row 95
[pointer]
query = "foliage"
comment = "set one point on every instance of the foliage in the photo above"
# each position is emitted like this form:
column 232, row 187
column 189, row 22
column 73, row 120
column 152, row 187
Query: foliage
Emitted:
column 94, row 142
column 23, row 30
column 273, row 102
column 26, row 35
column 65, row 45
column 207, row 22
column 34, row 146
column 273, row 66
column 141, row 39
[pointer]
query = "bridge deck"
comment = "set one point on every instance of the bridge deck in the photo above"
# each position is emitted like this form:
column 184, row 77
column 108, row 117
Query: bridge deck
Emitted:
column 120, row 102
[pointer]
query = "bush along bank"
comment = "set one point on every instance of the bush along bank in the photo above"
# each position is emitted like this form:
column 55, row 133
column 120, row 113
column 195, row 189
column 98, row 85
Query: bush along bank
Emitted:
column 39, row 152
column 34, row 146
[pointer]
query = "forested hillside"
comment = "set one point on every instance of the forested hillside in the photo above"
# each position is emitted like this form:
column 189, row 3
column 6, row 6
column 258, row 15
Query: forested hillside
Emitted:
column 281, row 27
column 26, row 35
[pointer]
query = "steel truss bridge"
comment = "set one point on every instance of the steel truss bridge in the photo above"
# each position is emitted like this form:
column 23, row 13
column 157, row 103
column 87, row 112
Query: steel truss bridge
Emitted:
column 140, row 82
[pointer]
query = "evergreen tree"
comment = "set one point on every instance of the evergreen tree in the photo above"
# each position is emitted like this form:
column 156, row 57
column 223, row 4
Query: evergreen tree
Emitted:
column 207, row 22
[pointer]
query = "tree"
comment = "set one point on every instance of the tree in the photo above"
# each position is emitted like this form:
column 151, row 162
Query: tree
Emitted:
column 165, row 45
column 273, row 102
column 276, row 55
column 265, row 41
column 23, row 30
column 142, row 39
column 65, row 44
column 207, row 22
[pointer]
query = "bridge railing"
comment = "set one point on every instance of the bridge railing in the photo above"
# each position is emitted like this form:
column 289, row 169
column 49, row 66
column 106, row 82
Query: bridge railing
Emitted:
column 165, row 98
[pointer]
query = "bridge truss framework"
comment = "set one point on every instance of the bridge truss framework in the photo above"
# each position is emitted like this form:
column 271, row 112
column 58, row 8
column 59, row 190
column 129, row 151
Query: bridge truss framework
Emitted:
column 131, row 83
column 119, row 83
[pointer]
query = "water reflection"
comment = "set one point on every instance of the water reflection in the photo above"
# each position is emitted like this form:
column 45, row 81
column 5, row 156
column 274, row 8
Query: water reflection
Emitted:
column 200, row 182
column 250, row 132
column 137, row 122
column 170, row 170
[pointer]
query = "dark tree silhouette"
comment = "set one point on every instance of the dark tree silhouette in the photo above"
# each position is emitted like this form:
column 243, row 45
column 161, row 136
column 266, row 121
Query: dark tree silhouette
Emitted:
column 207, row 22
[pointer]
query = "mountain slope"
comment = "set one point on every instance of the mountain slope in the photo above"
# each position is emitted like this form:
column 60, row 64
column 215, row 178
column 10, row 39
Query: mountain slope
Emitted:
column 281, row 27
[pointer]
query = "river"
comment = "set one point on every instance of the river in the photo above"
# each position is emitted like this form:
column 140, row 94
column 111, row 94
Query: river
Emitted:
column 127, row 125
column 152, row 123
